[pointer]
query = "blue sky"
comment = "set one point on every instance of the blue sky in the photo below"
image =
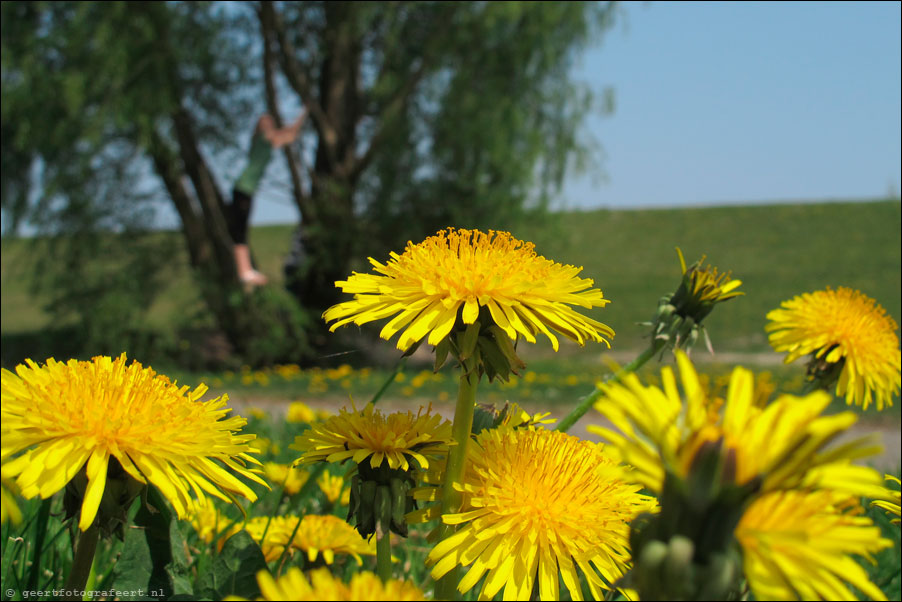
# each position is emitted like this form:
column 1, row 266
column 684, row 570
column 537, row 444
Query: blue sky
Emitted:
column 733, row 102
column 746, row 102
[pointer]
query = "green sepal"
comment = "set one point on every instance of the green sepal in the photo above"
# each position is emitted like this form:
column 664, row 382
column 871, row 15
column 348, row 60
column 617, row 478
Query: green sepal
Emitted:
column 366, row 515
column 507, row 348
column 466, row 342
column 441, row 353
column 383, row 510
column 484, row 417
column 493, row 361
column 412, row 349
column 399, row 487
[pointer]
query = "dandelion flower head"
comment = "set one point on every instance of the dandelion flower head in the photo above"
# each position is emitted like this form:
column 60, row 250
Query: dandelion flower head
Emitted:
column 322, row 585
column 704, row 287
column 315, row 535
column 282, row 475
column 891, row 498
column 775, row 446
column 209, row 521
column 396, row 438
column 539, row 504
column 456, row 274
column 845, row 329
column 61, row 417
column 332, row 487
column 797, row 545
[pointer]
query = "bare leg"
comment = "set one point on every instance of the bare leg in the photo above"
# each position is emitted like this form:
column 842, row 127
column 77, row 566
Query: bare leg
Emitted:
column 246, row 272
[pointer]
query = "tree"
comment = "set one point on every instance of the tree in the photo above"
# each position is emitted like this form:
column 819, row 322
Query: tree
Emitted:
column 422, row 115
column 426, row 114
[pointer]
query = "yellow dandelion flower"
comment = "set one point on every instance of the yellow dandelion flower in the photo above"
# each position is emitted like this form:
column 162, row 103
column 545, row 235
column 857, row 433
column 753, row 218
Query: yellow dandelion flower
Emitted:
column 257, row 412
column 314, row 536
column 703, row 287
column 322, row 585
column 10, row 509
column 300, row 412
column 846, row 332
column 60, row 418
column 264, row 445
column 368, row 433
column 209, row 521
column 780, row 445
column 539, row 504
column 891, row 499
column 283, row 475
column 331, row 486
column 797, row 545
column 452, row 276
column 678, row 319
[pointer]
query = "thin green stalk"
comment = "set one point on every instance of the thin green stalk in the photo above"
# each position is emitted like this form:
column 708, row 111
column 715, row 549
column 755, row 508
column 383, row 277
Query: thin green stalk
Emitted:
column 589, row 400
column 388, row 381
column 383, row 555
column 82, row 562
column 446, row 587
column 40, row 534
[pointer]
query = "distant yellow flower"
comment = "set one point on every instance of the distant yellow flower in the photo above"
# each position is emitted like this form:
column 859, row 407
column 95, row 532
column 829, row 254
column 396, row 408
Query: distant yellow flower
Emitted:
column 891, row 499
column 451, row 277
column 264, row 445
column 314, row 536
column 781, row 444
column 539, row 504
column 322, row 585
column 10, row 509
column 283, row 475
column 61, row 418
column 258, row 413
column 797, row 545
column 300, row 412
column 331, row 486
column 209, row 521
column 847, row 331
column 368, row 433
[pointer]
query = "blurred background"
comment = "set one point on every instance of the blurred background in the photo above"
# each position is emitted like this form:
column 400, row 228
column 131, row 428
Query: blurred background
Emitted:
column 765, row 135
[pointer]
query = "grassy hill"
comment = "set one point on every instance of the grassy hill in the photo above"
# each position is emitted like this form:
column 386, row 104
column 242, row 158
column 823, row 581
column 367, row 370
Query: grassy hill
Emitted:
column 777, row 251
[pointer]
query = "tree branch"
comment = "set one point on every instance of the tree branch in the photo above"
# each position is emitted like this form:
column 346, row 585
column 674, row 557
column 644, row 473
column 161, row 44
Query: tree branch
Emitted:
column 294, row 159
column 208, row 193
column 391, row 109
column 398, row 102
column 167, row 169
column 271, row 20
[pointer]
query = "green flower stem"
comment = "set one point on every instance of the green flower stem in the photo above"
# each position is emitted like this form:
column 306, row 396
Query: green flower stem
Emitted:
column 383, row 555
column 391, row 378
column 84, row 559
column 589, row 400
column 446, row 588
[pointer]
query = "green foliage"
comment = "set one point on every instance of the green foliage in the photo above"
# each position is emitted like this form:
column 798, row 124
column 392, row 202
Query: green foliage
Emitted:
column 153, row 557
column 489, row 135
column 418, row 121
column 777, row 251
column 273, row 326
column 234, row 570
column 102, row 284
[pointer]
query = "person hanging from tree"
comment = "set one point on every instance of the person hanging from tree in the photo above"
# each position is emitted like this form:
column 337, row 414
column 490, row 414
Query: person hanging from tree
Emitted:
column 266, row 138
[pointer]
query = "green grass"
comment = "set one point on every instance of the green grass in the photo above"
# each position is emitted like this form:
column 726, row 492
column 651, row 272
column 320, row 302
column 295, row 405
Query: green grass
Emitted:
column 777, row 251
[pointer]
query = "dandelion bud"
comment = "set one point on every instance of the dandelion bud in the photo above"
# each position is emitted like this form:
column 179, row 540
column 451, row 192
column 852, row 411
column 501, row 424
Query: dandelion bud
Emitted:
column 678, row 319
